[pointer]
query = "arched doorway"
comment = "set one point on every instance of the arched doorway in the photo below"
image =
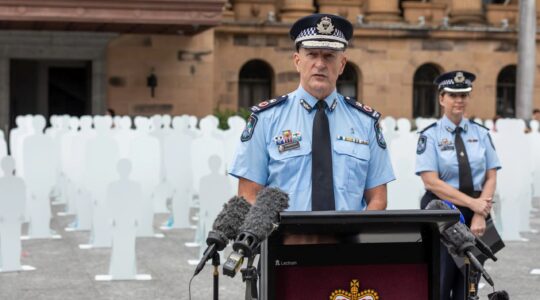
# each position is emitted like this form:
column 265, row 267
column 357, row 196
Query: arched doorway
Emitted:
column 506, row 92
column 255, row 83
column 425, row 94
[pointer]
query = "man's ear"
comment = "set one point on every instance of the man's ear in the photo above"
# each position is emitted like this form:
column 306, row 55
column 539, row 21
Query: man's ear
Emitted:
column 296, row 60
column 343, row 63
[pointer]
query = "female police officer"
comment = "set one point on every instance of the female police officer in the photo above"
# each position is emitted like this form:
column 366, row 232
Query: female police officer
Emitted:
column 457, row 162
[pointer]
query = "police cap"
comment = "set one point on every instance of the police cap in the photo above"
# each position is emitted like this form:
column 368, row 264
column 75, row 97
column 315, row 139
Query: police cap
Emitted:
column 455, row 82
column 323, row 31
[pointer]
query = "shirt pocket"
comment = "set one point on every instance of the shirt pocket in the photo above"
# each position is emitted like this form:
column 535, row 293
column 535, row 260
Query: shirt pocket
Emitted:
column 290, row 170
column 351, row 166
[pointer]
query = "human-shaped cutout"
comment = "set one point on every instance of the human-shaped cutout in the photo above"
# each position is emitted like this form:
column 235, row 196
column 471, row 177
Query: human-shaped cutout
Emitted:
column 192, row 125
column 388, row 125
column 68, row 166
column 78, row 153
column 16, row 138
column 145, row 155
column 203, row 147
column 101, row 160
column 164, row 188
column 123, row 197
column 214, row 190
column 510, row 142
column 124, row 135
column 230, row 139
column 405, row 192
column 12, row 202
column 534, row 136
column 177, row 152
column 58, row 194
column 40, row 170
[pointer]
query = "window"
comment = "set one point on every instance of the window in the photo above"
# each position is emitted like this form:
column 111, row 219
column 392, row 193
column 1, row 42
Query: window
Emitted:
column 255, row 83
column 425, row 94
column 506, row 92
column 347, row 82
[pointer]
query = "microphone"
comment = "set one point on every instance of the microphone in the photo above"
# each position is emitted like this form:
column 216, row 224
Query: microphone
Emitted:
column 260, row 222
column 459, row 240
column 446, row 205
column 226, row 227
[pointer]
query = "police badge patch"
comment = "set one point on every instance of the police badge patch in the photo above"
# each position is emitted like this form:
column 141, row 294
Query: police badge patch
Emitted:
column 250, row 127
column 421, row 147
column 379, row 136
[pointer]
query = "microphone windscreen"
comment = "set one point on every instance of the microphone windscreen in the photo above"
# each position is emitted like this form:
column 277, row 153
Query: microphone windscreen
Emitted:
column 231, row 217
column 437, row 204
column 265, row 213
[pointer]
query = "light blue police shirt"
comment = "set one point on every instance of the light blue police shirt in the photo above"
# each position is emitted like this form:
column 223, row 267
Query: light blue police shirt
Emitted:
column 436, row 151
column 358, row 161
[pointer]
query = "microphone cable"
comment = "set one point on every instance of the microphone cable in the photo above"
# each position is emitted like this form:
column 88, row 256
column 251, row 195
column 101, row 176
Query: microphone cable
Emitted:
column 189, row 286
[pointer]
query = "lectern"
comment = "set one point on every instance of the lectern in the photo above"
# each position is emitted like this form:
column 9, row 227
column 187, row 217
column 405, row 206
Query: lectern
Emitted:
column 365, row 255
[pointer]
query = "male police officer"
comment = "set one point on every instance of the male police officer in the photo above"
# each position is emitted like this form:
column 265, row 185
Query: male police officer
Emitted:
column 325, row 150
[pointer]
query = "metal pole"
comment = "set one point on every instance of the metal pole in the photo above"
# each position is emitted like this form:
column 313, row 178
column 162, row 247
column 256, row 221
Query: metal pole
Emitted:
column 526, row 59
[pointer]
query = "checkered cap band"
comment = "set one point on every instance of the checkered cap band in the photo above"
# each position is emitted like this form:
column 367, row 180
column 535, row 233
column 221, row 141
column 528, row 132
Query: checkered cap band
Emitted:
column 312, row 34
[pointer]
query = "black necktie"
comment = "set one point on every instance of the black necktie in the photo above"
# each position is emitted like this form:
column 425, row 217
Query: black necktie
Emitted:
column 465, row 175
column 322, row 184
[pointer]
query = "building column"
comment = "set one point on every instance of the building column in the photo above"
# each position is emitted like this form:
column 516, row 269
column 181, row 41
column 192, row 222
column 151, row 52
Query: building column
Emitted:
column 292, row 10
column 387, row 11
column 467, row 12
column 4, row 96
column 526, row 68
column 349, row 9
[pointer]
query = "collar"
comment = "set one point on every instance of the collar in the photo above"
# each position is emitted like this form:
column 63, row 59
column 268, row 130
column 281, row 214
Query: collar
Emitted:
column 308, row 102
column 451, row 127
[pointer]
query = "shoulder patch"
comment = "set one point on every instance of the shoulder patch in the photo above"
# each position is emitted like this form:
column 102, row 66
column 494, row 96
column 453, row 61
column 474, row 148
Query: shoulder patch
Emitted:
column 473, row 122
column 421, row 146
column 250, row 128
column 430, row 126
column 379, row 135
column 268, row 103
column 363, row 108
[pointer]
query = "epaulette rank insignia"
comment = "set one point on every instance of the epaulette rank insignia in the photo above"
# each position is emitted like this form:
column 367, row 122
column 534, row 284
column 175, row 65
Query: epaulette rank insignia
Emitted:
column 268, row 103
column 431, row 125
column 474, row 122
column 363, row 108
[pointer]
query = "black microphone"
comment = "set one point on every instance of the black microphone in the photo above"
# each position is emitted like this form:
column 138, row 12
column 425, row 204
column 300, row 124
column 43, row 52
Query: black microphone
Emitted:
column 226, row 227
column 480, row 245
column 459, row 240
column 260, row 221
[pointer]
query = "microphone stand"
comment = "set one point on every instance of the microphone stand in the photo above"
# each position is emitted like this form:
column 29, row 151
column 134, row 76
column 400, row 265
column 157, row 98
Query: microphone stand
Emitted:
column 472, row 277
column 215, row 263
column 249, row 276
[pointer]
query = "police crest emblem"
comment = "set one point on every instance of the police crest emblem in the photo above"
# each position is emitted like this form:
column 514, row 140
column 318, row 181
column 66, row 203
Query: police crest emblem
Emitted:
column 421, row 146
column 379, row 136
column 325, row 26
column 250, row 127
column 459, row 78
column 355, row 293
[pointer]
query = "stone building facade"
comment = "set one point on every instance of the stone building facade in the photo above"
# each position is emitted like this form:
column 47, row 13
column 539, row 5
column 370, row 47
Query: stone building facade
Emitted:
column 398, row 48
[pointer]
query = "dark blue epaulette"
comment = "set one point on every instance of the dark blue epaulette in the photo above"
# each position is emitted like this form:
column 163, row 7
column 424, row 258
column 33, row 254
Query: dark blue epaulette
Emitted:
column 431, row 125
column 473, row 122
column 268, row 103
column 363, row 108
